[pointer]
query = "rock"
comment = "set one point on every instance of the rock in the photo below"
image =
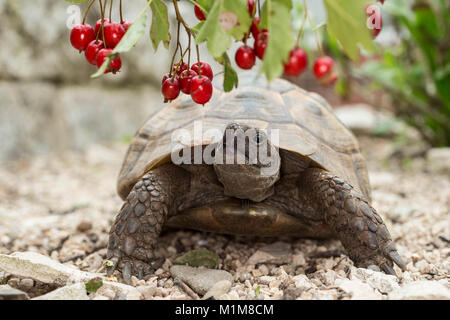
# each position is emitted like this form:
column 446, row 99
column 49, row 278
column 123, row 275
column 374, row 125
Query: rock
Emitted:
column 199, row 258
column 73, row 292
column 276, row 253
column 360, row 118
column 200, row 279
column 382, row 282
column 84, row 226
column 9, row 293
column 121, row 290
column 39, row 267
column 26, row 284
column 302, row 282
column 421, row 290
column 298, row 260
column 438, row 160
column 358, row 289
column 148, row 292
column 218, row 290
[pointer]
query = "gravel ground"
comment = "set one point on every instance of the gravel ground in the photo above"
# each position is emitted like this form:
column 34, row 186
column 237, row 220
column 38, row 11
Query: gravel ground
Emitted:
column 62, row 206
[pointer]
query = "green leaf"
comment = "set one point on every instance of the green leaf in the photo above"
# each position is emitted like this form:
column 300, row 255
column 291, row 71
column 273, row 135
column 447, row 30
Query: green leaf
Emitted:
column 93, row 285
column 218, row 39
column 129, row 40
column 347, row 22
column 198, row 258
column 276, row 17
column 160, row 25
column 230, row 79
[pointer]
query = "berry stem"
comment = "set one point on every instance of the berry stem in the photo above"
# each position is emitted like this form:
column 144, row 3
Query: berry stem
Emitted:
column 259, row 8
column 189, row 52
column 110, row 10
column 302, row 27
column 315, row 31
column 87, row 11
column 121, row 14
column 175, row 53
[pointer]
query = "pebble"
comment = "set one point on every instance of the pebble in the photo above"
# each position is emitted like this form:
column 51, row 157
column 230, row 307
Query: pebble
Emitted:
column 73, row 292
column 9, row 293
column 421, row 290
column 358, row 289
column 384, row 283
column 199, row 279
column 218, row 290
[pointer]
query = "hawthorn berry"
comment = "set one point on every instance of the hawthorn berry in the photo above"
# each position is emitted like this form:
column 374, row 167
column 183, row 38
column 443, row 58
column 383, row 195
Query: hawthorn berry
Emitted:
column 201, row 89
column 92, row 50
column 180, row 67
column 255, row 27
column 166, row 76
column 251, row 7
column 204, row 70
column 199, row 13
column 81, row 35
column 115, row 64
column 297, row 62
column 113, row 34
column 261, row 44
column 98, row 25
column 185, row 80
column 245, row 57
column 324, row 70
column 171, row 89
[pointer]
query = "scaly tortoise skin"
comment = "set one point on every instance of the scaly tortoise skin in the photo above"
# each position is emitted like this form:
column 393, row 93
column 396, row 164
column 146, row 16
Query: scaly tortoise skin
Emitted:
column 323, row 189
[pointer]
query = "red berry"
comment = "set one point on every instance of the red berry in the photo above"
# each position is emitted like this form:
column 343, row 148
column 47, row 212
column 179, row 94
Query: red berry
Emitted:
column 81, row 35
column 297, row 63
column 251, row 7
column 98, row 25
column 261, row 44
column 201, row 89
column 180, row 67
column 245, row 57
column 166, row 76
column 205, row 69
column 199, row 13
column 171, row 89
column 185, row 80
column 255, row 27
column 324, row 70
column 92, row 50
column 115, row 64
column 126, row 24
column 374, row 19
column 113, row 34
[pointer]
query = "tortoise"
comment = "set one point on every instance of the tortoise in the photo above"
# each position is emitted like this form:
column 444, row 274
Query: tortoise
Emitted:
column 197, row 167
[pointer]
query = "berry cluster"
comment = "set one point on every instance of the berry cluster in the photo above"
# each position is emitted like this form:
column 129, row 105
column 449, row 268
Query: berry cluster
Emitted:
column 87, row 39
column 195, row 81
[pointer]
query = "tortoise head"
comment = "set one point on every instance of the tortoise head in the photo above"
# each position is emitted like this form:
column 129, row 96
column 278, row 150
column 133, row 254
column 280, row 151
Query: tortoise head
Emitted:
column 246, row 163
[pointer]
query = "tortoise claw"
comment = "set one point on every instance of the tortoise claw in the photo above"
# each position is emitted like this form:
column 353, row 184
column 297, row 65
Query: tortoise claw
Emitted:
column 388, row 269
column 395, row 257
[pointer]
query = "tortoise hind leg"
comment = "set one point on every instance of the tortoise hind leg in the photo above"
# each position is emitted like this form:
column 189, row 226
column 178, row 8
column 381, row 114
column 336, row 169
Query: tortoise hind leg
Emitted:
column 138, row 224
column 358, row 226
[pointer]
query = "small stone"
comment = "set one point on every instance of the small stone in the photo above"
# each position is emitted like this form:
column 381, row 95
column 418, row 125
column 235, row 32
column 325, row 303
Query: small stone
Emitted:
column 384, row 283
column 438, row 160
column 9, row 293
column 148, row 292
column 358, row 289
column 26, row 284
column 198, row 258
column 302, row 282
column 73, row 292
column 84, row 226
column 421, row 290
column 218, row 290
column 199, row 279
column 423, row 266
column 298, row 260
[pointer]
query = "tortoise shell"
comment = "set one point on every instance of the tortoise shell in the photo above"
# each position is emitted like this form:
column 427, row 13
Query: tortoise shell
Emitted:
column 307, row 128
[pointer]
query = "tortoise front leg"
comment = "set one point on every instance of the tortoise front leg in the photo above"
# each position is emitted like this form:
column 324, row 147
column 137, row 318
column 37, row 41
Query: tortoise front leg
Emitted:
column 360, row 229
column 133, row 236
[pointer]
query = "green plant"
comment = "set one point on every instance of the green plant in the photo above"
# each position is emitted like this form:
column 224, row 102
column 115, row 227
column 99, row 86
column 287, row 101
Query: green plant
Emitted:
column 416, row 72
